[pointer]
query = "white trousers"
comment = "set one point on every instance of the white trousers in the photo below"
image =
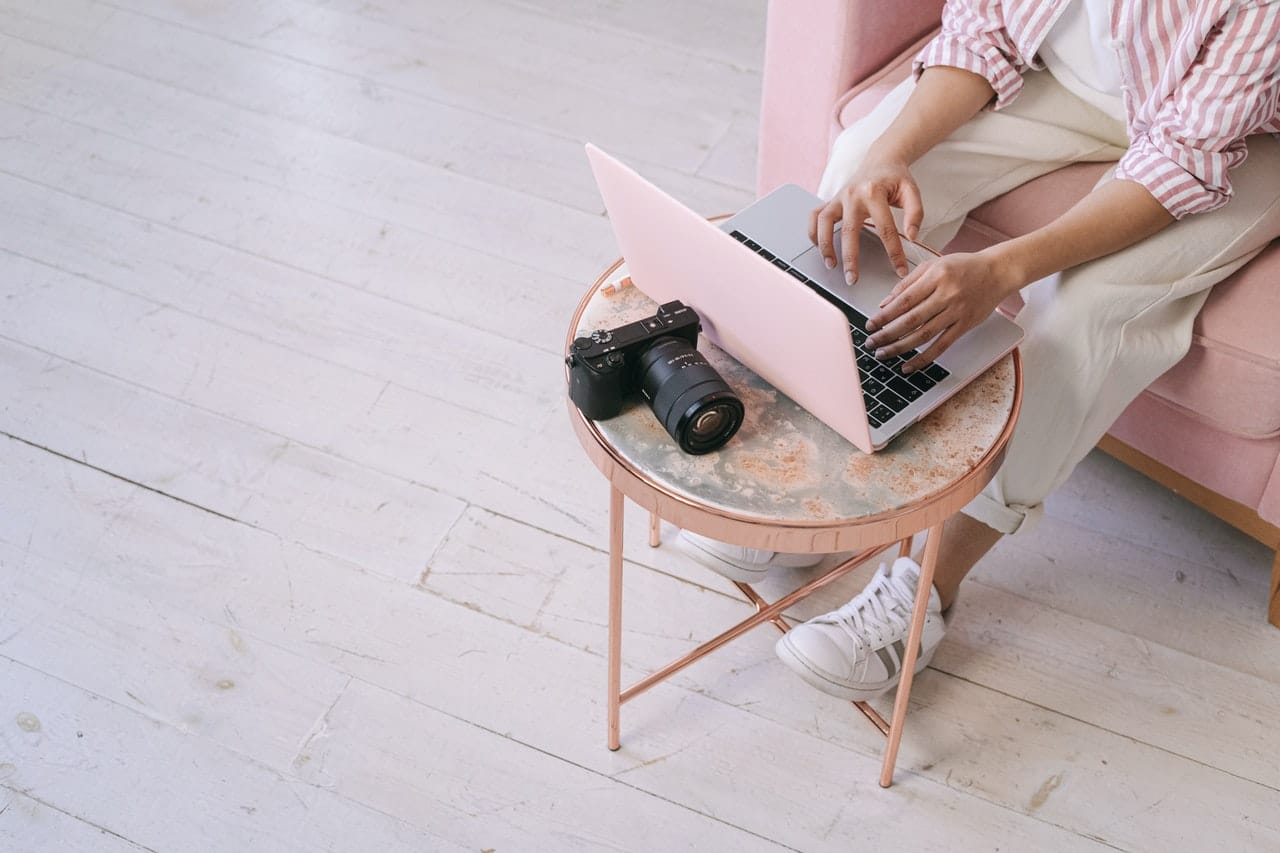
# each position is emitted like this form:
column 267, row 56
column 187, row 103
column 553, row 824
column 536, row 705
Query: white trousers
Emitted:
column 1096, row 334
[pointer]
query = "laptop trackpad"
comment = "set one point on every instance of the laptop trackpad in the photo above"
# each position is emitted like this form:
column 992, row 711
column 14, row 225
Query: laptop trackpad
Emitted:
column 875, row 277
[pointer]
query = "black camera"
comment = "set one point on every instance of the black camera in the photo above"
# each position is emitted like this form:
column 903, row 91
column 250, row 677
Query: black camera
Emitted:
column 658, row 357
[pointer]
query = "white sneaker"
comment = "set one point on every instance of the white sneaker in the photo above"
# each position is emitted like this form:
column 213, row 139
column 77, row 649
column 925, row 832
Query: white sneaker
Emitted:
column 746, row 565
column 856, row 652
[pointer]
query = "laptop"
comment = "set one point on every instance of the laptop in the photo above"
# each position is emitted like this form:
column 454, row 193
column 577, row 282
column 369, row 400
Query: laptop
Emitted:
column 765, row 296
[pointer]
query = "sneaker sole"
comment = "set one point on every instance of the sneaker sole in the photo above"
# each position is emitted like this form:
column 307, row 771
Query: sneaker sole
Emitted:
column 839, row 689
column 726, row 568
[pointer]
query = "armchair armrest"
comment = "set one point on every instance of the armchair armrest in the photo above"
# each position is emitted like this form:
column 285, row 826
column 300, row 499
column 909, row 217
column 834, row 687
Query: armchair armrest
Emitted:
column 815, row 51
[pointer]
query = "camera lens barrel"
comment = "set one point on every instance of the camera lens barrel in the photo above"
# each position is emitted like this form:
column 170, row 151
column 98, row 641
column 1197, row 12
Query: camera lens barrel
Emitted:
column 689, row 398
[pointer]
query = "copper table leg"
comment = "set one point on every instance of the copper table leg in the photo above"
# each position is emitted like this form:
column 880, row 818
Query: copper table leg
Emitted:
column 923, row 589
column 615, row 612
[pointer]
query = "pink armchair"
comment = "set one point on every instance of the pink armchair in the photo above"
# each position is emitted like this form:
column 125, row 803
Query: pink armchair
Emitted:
column 1210, row 427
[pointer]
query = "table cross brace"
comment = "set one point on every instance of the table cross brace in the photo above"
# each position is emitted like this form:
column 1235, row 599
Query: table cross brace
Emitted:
column 765, row 612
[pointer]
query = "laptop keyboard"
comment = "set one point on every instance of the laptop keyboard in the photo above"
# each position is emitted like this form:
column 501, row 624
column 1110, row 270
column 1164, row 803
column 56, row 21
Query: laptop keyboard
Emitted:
column 886, row 390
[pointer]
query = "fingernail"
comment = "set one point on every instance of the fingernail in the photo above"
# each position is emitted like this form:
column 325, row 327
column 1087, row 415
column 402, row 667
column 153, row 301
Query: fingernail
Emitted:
column 880, row 353
column 830, row 263
column 870, row 342
column 871, row 325
column 885, row 301
column 907, row 369
column 849, row 278
column 901, row 270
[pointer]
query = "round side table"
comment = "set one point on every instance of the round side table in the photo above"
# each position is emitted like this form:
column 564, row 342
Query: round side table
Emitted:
column 787, row 482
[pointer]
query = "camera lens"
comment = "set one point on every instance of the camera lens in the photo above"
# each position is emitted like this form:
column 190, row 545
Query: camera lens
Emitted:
column 688, row 396
column 708, row 423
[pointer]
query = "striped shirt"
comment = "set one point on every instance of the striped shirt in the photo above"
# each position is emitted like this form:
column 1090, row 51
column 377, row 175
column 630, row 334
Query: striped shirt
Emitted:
column 1196, row 78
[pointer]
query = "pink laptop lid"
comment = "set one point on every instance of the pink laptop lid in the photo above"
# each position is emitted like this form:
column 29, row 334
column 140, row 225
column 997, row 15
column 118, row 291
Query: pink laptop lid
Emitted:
column 786, row 333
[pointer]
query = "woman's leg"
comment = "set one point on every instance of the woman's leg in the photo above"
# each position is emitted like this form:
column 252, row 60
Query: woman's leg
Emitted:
column 1099, row 333
column 965, row 541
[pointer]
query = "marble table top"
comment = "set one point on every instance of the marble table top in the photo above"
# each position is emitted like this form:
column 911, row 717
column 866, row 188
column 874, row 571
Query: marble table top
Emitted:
column 784, row 464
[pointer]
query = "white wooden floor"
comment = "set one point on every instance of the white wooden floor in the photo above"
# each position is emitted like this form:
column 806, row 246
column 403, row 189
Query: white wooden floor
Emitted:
column 297, row 551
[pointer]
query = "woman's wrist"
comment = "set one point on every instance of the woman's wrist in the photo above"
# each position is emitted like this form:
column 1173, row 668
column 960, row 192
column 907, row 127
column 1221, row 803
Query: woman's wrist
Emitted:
column 1010, row 266
column 1114, row 216
column 900, row 145
column 886, row 151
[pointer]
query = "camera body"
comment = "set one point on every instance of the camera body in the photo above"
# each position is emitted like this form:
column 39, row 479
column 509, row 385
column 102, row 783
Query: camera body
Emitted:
column 658, row 357
column 604, row 368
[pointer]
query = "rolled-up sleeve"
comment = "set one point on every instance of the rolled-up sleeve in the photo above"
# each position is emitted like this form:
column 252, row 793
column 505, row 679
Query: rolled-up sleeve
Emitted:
column 974, row 38
column 1185, row 155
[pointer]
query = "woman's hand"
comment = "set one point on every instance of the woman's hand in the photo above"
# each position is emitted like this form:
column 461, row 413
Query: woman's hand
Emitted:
column 948, row 296
column 943, row 298
column 942, row 99
column 879, row 183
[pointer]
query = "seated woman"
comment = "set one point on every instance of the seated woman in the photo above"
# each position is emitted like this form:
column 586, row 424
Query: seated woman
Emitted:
column 1177, row 96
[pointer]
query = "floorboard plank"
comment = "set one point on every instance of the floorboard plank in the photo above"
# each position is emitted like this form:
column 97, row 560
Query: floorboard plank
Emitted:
column 371, row 338
column 1133, row 589
column 481, row 295
column 194, row 675
column 725, row 30
column 319, row 238
column 1114, row 500
column 26, row 823
column 174, row 791
column 570, row 62
column 370, row 163
column 377, row 102
column 520, row 459
column 226, row 466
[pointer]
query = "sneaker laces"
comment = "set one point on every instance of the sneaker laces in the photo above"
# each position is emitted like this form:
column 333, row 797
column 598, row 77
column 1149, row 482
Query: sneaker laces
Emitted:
column 882, row 608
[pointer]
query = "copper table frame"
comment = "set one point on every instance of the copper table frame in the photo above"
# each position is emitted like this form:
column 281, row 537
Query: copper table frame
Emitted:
column 865, row 536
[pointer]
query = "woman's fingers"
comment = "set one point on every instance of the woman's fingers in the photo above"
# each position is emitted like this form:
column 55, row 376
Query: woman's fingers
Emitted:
column 912, row 207
column 876, row 185
column 889, row 322
column 849, row 249
column 815, row 235
column 906, row 324
column 850, row 225
column 824, row 225
column 882, row 216
column 916, row 338
column 909, row 280
column 941, row 345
